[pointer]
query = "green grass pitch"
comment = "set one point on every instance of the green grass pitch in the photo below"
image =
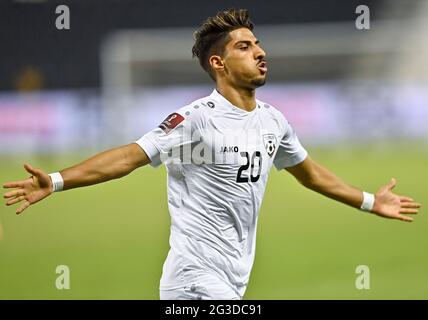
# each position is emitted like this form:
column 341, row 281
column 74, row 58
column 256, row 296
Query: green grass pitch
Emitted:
column 114, row 237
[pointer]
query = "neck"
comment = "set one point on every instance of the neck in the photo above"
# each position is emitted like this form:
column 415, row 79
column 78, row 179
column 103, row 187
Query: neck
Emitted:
column 244, row 99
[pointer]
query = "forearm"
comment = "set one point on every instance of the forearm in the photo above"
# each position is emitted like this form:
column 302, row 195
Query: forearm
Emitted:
column 319, row 179
column 383, row 203
column 111, row 164
column 105, row 166
column 325, row 182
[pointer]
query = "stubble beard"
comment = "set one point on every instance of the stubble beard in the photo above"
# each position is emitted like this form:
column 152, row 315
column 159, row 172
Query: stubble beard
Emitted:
column 258, row 82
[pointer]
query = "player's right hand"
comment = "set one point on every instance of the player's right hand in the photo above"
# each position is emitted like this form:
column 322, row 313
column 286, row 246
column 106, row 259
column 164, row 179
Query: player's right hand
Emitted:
column 28, row 191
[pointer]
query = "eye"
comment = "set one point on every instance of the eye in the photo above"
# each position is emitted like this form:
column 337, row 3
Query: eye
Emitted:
column 243, row 48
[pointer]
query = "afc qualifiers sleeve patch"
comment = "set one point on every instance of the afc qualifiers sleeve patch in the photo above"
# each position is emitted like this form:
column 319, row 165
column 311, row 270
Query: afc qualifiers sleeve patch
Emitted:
column 173, row 120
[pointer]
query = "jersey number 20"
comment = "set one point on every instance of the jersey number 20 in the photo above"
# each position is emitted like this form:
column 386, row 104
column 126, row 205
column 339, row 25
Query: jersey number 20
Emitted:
column 250, row 161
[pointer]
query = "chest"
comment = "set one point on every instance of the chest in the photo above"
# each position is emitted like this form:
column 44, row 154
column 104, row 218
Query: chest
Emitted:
column 250, row 142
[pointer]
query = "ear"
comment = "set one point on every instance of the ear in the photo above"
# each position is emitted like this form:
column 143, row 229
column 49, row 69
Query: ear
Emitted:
column 216, row 63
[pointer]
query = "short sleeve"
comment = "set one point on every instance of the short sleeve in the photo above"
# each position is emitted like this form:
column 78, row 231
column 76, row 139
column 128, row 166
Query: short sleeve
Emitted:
column 170, row 137
column 290, row 151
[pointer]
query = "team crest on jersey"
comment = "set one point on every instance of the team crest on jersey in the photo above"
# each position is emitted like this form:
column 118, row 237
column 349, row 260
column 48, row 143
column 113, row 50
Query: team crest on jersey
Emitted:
column 269, row 141
column 173, row 120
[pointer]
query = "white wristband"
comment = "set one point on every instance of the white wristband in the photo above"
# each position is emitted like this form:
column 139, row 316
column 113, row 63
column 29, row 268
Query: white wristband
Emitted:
column 57, row 181
column 368, row 201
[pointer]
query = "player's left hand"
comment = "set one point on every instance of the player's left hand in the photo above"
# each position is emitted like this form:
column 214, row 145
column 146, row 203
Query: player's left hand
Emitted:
column 393, row 206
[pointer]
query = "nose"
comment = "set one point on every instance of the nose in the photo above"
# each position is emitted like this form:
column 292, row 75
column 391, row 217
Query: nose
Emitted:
column 260, row 54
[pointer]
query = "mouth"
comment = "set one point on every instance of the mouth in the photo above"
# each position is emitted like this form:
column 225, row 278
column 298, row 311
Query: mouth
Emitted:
column 262, row 66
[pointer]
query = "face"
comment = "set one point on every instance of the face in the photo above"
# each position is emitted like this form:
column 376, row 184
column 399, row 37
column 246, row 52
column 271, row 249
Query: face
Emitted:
column 243, row 63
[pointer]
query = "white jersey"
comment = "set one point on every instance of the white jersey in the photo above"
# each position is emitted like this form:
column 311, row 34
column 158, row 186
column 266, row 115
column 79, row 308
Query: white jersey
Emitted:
column 218, row 158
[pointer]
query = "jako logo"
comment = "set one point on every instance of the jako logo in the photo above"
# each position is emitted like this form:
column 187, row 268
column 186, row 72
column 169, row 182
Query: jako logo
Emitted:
column 228, row 149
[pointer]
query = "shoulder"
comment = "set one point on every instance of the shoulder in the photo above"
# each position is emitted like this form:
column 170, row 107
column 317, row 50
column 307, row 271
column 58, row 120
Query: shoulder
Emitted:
column 273, row 113
column 200, row 106
column 197, row 111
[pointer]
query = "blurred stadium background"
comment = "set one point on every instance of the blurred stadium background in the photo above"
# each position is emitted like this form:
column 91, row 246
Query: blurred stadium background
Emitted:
column 357, row 98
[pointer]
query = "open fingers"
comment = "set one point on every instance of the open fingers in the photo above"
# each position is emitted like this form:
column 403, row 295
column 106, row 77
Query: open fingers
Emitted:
column 33, row 171
column 409, row 211
column 14, row 193
column 391, row 184
column 24, row 206
column 410, row 205
column 15, row 200
column 14, row 184
column 405, row 199
column 404, row 218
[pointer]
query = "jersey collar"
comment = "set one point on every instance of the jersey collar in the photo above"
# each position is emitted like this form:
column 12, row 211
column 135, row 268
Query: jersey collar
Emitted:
column 218, row 97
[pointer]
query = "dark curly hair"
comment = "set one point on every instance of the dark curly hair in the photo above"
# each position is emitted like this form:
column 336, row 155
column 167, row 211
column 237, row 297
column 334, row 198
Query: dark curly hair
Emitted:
column 212, row 36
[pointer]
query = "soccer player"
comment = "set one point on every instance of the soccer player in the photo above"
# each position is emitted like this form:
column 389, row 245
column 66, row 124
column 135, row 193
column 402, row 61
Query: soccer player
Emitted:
column 218, row 151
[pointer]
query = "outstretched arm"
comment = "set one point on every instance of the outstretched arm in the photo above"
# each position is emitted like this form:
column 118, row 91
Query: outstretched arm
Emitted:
column 105, row 166
column 387, row 204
